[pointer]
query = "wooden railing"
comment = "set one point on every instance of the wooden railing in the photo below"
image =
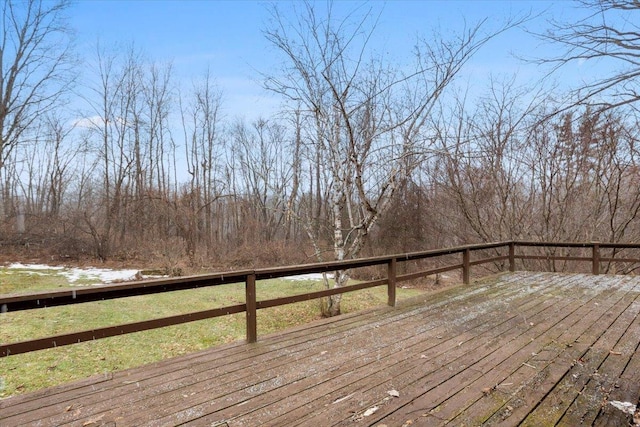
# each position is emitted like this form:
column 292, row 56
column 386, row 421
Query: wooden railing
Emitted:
column 497, row 254
column 595, row 257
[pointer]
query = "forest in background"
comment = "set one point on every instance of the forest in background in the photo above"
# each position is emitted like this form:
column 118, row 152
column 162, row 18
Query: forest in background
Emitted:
column 365, row 157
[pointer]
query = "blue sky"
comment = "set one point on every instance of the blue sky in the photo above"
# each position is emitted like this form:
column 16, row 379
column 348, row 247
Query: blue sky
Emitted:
column 227, row 38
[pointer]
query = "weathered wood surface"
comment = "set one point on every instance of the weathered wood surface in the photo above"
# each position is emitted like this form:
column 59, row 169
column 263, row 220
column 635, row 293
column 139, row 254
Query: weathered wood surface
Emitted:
column 520, row 349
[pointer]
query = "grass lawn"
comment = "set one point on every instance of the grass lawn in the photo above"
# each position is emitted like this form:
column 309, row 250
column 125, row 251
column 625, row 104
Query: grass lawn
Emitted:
column 27, row 372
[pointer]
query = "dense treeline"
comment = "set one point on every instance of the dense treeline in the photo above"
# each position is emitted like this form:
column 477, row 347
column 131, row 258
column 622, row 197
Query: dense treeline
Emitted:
column 365, row 158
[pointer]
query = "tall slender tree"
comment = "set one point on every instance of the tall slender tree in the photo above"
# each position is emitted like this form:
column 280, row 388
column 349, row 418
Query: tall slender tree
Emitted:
column 35, row 70
column 366, row 117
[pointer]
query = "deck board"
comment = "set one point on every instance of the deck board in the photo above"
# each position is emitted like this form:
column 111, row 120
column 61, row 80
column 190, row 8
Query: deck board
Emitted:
column 517, row 349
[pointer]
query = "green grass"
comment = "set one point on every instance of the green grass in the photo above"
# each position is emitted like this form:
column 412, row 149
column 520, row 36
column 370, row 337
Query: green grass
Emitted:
column 19, row 281
column 31, row 371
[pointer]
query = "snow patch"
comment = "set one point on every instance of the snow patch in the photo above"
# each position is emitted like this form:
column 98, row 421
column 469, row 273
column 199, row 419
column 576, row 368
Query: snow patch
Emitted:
column 310, row 276
column 104, row 275
column 20, row 266
column 75, row 275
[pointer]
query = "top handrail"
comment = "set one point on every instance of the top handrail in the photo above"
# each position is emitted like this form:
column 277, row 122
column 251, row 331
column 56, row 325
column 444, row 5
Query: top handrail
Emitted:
column 14, row 302
column 26, row 301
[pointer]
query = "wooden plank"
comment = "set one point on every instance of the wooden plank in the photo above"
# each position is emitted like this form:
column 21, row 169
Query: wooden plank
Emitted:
column 530, row 386
column 37, row 396
column 427, row 400
column 626, row 389
column 377, row 382
column 359, row 369
column 366, row 336
column 577, row 365
column 605, row 378
column 452, row 359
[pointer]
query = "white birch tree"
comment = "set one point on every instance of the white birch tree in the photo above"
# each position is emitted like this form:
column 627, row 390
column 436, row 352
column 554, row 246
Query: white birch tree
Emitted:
column 366, row 117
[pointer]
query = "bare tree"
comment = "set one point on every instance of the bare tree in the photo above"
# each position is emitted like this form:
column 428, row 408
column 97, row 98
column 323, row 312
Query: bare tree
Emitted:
column 35, row 64
column 366, row 117
column 481, row 150
column 158, row 99
column 609, row 32
column 48, row 163
column 115, row 136
column 263, row 157
column 201, row 124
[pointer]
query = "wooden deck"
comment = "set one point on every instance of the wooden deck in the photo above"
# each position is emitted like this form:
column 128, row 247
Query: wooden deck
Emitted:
column 521, row 349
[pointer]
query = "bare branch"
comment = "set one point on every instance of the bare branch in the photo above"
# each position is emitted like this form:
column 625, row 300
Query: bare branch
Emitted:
column 609, row 33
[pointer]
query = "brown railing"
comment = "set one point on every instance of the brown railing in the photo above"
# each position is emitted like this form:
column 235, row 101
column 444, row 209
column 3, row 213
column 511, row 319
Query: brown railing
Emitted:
column 489, row 253
column 595, row 257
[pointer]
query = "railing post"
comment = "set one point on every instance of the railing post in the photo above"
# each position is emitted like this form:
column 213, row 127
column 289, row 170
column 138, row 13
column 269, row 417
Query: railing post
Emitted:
column 250, row 298
column 595, row 258
column 512, row 256
column 391, row 282
column 466, row 258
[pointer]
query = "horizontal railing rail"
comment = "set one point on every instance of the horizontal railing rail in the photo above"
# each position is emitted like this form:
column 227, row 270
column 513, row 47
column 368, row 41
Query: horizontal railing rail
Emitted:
column 31, row 301
column 595, row 257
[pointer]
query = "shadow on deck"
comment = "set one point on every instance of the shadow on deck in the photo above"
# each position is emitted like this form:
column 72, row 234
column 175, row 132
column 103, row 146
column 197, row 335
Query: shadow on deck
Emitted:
column 518, row 349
